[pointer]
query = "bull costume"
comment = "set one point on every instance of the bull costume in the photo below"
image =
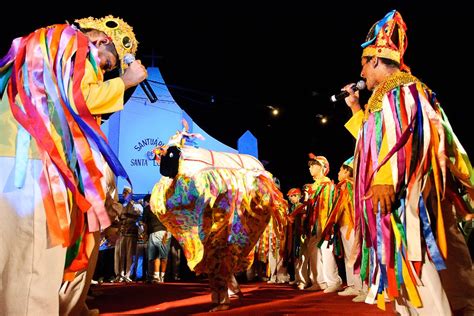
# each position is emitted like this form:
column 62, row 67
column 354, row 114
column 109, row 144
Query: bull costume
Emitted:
column 216, row 205
column 414, row 254
column 53, row 155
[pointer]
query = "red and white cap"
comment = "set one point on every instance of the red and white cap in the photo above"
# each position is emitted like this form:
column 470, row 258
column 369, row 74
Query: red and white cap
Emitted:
column 322, row 161
column 294, row 191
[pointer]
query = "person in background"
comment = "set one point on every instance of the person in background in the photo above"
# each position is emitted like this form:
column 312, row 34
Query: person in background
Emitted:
column 410, row 174
column 277, row 266
column 139, row 267
column 159, row 241
column 340, row 229
column 126, row 244
column 258, row 269
column 175, row 259
column 324, row 268
column 295, row 231
column 53, row 153
column 304, row 272
column 323, row 272
column 278, row 272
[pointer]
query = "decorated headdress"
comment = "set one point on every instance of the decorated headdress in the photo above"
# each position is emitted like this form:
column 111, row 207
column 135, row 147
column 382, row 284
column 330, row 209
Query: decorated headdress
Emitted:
column 118, row 30
column 294, row 191
column 387, row 39
column 179, row 139
column 322, row 161
column 349, row 162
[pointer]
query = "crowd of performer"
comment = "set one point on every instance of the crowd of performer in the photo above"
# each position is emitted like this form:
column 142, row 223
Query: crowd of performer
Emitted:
column 394, row 218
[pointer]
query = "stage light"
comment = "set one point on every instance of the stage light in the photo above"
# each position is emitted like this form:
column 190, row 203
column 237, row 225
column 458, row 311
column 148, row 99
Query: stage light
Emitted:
column 275, row 110
column 323, row 119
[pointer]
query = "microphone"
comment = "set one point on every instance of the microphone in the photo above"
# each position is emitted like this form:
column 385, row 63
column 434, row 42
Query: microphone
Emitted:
column 128, row 59
column 360, row 85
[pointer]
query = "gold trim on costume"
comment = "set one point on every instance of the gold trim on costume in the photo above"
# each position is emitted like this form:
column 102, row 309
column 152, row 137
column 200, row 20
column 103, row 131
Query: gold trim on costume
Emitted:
column 395, row 80
column 383, row 52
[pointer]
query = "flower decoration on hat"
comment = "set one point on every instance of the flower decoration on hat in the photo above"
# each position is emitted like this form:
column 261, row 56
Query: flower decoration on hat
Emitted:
column 322, row 161
column 118, row 30
column 387, row 39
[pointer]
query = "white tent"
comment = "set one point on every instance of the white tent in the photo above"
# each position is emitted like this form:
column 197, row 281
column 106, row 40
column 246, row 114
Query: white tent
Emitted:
column 142, row 125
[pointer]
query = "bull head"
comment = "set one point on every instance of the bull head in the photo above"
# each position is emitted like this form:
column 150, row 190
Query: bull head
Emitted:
column 169, row 164
column 168, row 156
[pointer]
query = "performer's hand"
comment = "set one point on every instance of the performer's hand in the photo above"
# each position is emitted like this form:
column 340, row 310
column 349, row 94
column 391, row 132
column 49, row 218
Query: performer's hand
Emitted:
column 352, row 100
column 383, row 194
column 134, row 74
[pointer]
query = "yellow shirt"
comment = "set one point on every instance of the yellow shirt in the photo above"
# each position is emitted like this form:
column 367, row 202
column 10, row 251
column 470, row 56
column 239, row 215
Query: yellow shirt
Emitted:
column 346, row 218
column 384, row 174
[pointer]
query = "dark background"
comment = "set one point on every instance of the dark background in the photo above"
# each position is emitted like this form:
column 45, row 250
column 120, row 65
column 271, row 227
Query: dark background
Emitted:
column 225, row 63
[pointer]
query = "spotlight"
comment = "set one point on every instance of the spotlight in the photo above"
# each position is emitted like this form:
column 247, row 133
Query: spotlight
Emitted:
column 323, row 119
column 275, row 110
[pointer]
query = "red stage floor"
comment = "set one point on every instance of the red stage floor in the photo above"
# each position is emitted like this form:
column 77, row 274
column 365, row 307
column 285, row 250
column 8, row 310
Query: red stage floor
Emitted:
column 194, row 299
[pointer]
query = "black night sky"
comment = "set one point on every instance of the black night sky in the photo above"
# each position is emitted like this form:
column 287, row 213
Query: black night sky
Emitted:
column 226, row 62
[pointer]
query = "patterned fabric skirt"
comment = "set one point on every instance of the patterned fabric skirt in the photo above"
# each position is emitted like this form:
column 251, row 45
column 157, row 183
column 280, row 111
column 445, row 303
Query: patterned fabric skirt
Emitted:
column 217, row 215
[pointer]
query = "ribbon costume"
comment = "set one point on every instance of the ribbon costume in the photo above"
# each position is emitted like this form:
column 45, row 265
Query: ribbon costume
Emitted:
column 53, row 155
column 405, row 140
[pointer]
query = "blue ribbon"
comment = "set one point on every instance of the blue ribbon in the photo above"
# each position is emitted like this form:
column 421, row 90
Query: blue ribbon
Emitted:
column 429, row 238
column 372, row 260
column 383, row 271
column 23, row 140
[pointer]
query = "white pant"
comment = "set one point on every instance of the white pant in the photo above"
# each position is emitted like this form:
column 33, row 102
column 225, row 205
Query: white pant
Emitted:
column 73, row 295
column 322, row 264
column 30, row 270
column 327, row 266
column 278, row 273
column 353, row 280
column 304, row 274
column 299, row 270
column 432, row 294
